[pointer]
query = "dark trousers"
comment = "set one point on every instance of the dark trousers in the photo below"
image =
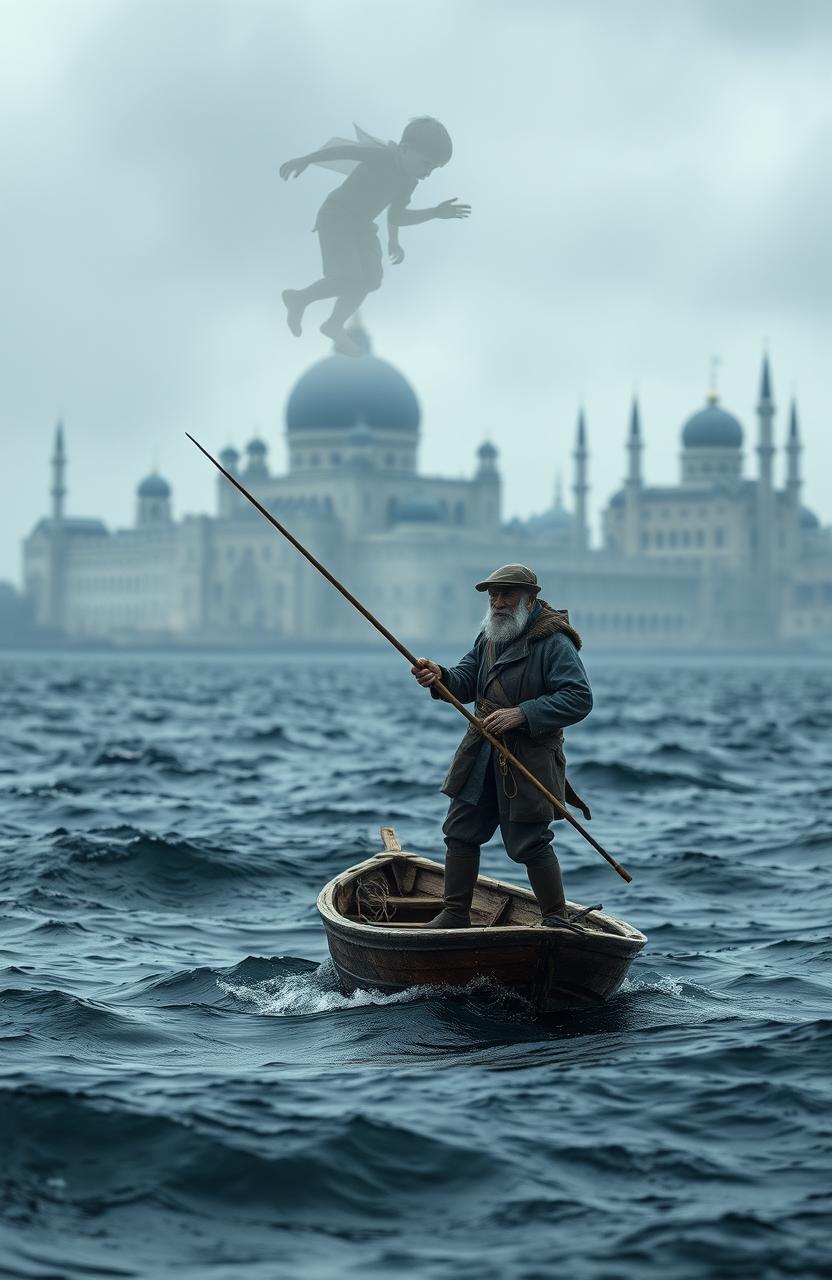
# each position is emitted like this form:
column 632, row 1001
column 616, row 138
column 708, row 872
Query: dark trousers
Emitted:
column 468, row 826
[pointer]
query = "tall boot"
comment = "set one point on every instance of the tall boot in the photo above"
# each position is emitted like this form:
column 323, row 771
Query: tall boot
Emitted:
column 545, row 880
column 461, row 870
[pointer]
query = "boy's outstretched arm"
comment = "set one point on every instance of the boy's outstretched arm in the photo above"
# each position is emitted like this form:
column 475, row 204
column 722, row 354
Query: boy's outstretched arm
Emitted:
column 349, row 151
column 402, row 216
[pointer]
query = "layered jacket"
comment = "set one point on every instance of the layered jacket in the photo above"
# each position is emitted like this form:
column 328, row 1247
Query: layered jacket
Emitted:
column 541, row 673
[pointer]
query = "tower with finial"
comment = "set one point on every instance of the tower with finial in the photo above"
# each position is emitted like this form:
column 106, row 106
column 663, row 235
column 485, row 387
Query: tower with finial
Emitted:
column 227, row 497
column 793, row 451
column 56, row 563
column 580, row 487
column 153, row 506
column 58, row 492
column 633, row 486
column 793, row 484
column 257, row 467
column 488, row 483
column 765, row 485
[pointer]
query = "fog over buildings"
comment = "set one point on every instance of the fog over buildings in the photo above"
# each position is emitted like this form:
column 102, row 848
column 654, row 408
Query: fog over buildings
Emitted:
column 717, row 560
column 649, row 185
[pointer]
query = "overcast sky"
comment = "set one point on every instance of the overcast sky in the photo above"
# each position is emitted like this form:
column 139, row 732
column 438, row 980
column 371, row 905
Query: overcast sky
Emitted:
column 650, row 182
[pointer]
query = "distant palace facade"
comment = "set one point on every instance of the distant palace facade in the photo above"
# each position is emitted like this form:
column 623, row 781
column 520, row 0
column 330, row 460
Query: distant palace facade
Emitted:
column 716, row 561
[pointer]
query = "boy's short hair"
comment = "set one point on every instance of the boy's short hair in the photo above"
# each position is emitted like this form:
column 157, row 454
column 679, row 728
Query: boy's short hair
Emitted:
column 430, row 138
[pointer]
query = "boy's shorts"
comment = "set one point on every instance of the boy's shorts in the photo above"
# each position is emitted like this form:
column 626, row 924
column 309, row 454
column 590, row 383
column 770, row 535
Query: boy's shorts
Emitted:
column 350, row 249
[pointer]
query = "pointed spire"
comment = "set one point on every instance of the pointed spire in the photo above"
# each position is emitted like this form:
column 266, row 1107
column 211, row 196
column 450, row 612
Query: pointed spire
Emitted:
column 580, row 484
column 635, row 421
column 634, row 447
column 59, row 439
column 580, row 434
column 794, row 428
column 765, row 380
column 793, row 452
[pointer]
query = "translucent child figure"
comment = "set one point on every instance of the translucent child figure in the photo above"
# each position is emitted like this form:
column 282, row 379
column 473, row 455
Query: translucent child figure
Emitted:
column 381, row 176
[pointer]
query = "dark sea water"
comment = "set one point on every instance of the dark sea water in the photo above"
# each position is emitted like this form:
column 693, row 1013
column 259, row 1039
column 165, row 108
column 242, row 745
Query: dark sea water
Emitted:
column 184, row 1092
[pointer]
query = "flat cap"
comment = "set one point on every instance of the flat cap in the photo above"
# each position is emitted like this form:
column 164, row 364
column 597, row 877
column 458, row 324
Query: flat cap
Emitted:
column 510, row 575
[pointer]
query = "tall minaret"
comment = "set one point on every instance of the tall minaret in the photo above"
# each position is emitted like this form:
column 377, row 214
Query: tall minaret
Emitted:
column 580, row 488
column 793, row 487
column 632, row 488
column 793, row 451
column 58, row 477
column 765, row 482
column 57, row 540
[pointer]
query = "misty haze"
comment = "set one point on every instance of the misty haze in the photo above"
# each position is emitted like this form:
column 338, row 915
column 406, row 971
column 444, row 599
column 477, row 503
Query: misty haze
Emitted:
column 415, row 638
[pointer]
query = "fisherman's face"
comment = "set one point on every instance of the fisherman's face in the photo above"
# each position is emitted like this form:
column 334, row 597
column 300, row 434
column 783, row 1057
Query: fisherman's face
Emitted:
column 504, row 600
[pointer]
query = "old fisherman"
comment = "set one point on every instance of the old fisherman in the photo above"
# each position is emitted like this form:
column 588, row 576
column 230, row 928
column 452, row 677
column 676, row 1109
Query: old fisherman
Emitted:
column 528, row 683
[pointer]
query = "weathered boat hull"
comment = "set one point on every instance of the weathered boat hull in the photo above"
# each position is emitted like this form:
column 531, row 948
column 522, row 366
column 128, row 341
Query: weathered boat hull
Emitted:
column 548, row 967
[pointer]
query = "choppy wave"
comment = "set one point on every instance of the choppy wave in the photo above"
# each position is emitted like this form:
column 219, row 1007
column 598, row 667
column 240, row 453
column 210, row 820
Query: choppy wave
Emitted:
column 185, row 1090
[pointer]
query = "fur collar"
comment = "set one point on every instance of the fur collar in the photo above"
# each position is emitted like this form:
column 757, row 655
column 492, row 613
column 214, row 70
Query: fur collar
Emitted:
column 550, row 621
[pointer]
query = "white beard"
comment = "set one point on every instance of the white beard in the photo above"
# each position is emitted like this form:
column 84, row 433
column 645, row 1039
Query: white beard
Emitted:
column 503, row 628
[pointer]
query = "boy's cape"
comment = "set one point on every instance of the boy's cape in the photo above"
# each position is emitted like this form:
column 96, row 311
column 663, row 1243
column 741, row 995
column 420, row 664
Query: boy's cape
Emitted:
column 363, row 139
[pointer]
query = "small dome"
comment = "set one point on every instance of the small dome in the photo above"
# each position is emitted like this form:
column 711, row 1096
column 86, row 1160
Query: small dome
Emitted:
column 256, row 447
column 153, row 487
column 808, row 519
column 229, row 456
column 556, row 518
column 712, row 428
column 618, row 498
column 487, row 450
column 417, row 510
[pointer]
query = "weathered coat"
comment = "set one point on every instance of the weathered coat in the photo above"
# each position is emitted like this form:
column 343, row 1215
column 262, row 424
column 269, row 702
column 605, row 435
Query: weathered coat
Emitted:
column 541, row 673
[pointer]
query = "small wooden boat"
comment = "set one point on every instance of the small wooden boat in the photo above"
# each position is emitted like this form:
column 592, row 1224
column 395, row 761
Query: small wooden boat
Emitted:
column 375, row 916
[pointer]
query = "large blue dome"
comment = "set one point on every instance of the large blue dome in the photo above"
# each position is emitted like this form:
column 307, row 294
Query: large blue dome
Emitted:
column 345, row 391
column 712, row 428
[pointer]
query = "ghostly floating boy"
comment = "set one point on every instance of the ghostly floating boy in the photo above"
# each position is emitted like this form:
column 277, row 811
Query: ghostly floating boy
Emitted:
column 380, row 176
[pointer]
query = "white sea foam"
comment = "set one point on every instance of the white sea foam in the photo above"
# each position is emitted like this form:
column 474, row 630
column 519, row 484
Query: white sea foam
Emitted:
column 665, row 985
column 305, row 993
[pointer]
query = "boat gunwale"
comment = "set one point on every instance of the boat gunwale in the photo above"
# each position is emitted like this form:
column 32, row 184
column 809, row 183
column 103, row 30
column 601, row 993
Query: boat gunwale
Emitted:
column 633, row 940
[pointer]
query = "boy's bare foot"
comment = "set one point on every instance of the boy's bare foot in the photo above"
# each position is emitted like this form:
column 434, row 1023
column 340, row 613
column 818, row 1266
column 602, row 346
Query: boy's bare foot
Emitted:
column 341, row 340
column 294, row 310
